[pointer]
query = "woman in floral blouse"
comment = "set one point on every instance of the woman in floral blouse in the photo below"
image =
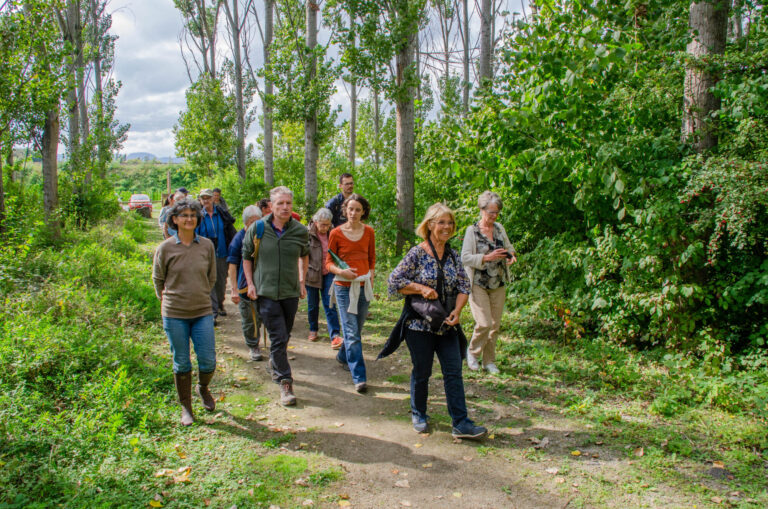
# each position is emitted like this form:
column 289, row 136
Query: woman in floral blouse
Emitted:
column 418, row 274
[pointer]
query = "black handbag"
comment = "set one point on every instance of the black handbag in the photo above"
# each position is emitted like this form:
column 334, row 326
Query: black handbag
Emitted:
column 435, row 311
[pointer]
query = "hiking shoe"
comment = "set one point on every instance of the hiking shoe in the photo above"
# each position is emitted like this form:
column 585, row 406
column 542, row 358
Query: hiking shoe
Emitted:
column 361, row 387
column 256, row 354
column 336, row 342
column 215, row 322
column 491, row 368
column 420, row 425
column 313, row 336
column 343, row 363
column 222, row 312
column 468, row 430
column 287, row 397
column 472, row 363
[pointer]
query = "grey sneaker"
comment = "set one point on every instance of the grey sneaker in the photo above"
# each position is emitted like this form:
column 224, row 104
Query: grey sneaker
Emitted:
column 420, row 425
column 256, row 354
column 472, row 363
column 491, row 368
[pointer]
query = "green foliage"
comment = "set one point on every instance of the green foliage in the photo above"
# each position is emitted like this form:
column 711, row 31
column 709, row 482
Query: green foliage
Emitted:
column 205, row 133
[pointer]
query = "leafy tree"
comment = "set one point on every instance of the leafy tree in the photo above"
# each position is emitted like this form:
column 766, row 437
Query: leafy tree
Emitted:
column 205, row 134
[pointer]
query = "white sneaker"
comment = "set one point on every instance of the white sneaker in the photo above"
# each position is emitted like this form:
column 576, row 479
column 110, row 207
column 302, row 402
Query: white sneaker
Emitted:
column 472, row 363
column 492, row 369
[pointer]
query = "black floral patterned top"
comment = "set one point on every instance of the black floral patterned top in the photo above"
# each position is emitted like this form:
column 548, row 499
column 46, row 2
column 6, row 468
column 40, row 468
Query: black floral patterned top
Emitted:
column 491, row 276
column 420, row 267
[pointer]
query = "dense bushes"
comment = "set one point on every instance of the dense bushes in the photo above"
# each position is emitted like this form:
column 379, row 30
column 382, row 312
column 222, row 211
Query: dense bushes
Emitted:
column 622, row 232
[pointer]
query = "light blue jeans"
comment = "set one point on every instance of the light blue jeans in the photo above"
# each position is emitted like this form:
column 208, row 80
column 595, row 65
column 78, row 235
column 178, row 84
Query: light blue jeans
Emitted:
column 352, row 326
column 200, row 331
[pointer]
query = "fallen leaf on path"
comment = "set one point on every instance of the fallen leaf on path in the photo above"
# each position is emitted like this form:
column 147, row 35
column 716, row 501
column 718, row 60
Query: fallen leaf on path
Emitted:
column 242, row 378
column 301, row 482
column 402, row 483
column 595, row 455
column 164, row 472
column 291, row 347
column 395, row 471
column 559, row 480
column 553, row 470
column 181, row 454
column 639, row 452
column 718, row 464
column 467, row 458
column 338, row 424
column 542, row 444
column 457, row 494
column 717, row 500
column 418, row 445
column 344, row 496
column 427, row 465
column 599, row 443
column 344, row 503
column 292, row 358
column 576, row 453
column 308, row 502
column 405, row 503
column 491, row 436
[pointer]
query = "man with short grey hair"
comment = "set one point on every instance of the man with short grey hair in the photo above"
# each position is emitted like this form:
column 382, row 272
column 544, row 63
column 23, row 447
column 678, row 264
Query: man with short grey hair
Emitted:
column 276, row 275
column 249, row 317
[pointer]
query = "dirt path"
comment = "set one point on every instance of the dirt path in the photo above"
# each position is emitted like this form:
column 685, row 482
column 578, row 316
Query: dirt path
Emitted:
column 387, row 463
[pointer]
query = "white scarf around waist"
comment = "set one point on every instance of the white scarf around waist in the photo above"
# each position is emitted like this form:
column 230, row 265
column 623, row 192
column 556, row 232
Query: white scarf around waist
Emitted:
column 354, row 290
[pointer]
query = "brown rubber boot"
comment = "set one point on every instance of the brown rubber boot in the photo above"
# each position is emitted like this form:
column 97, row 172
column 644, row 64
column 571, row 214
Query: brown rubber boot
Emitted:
column 184, row 389
column 202, row 390
column 286, row 393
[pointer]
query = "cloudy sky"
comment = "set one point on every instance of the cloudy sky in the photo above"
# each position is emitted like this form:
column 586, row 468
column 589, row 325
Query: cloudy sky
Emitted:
column 150, row 66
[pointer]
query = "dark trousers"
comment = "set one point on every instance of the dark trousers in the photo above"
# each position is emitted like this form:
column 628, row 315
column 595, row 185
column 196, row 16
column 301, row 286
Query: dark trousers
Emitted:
column 423, row 346
column 218, row 290
column 277, row 316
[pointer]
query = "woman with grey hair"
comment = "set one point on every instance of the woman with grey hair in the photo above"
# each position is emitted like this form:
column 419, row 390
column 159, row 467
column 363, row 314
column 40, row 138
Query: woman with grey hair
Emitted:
column 320, row 280
column 249, row 313
column 184, row 272
column 486, row 255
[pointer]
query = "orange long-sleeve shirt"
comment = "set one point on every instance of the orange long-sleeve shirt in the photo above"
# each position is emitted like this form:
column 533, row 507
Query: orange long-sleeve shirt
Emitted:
column 360, row 255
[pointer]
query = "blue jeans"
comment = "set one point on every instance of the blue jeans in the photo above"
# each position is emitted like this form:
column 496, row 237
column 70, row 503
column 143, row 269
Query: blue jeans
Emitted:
column 352, row 325
column 200, row 330
column 313, row 307
column 423, row 346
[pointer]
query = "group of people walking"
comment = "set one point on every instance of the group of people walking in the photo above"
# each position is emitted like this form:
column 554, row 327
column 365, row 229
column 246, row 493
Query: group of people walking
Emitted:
column 274, row 261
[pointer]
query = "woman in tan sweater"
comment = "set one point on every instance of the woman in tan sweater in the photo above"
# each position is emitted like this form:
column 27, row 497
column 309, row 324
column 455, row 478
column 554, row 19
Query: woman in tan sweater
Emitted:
column 184, row 271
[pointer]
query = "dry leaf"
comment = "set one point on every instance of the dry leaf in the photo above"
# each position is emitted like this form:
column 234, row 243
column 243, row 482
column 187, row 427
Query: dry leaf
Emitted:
column 542, row 444
column 344, row 496
column 559, row 480
column 242, row 378
column 467, row 458
column 418, row 445
column 457, row 494
column 402, row 483
column 553, row 470
column 292, row 358
column 718, row 464
column 395, row 471
column 338, row 424
column 308, row 502
column 717, row 500
column 301, row 482
column 427, row 465
column 639, row 452
column 576, row 453
column 405, row 503
column 491, row 436
column 207, row 502
column 181, row 454
column 155, row 503
column 164, row 472
column 344, row 503
column 595, row 455
column 599, row 443
column 291, row 347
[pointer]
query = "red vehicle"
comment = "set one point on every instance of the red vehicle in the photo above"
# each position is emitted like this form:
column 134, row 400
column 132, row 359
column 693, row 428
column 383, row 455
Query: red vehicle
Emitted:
column 141, row 204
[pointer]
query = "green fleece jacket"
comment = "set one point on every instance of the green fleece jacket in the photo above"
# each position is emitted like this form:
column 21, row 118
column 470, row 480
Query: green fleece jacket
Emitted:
column 276, row 269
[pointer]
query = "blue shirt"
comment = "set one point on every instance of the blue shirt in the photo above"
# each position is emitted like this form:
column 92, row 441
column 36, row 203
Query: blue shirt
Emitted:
column 235, row 257
column 212, row 227
column 335, row 205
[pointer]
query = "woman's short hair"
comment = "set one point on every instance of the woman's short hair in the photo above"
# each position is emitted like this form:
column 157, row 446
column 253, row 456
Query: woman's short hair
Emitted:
column 487, row 198
column 249, row 212
column 363, row 203
column 322, row 214
column 434, row 213
column 180, row 206
column 274, row 193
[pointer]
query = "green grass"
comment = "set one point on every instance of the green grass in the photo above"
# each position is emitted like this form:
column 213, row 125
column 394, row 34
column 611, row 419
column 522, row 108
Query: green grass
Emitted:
column 88, row 412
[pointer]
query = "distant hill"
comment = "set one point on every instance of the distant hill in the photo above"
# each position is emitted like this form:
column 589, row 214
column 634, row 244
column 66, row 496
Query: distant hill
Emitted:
column 146, row 156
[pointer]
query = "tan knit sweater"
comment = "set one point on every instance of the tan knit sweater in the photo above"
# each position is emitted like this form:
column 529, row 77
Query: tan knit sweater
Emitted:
column 183, row 277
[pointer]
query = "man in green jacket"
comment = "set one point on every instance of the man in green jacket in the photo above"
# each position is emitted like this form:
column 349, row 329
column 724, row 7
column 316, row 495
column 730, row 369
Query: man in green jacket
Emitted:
column 276, row 277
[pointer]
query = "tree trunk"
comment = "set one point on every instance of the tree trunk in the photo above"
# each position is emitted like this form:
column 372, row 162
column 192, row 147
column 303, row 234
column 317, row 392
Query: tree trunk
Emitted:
column 735, row 28
column 233, row 18
column 2, row 194
column 376, row 127
column 73, row 110
column 708, row 22
column 404, row 61
column 269, row 168
column 50, row 148
column 98, row 97
column 310, row 123
column 465, row 86
column 486, row 16
column 82, row 102
column 353, row 125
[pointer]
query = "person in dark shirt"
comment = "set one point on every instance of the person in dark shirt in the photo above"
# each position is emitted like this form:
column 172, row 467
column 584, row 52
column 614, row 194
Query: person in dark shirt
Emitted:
column 218, row 226
column 335, row 204
column 218, row 200
column 249, row 313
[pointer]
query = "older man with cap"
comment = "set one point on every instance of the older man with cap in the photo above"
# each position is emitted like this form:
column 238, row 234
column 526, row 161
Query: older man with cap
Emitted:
column 218, row 226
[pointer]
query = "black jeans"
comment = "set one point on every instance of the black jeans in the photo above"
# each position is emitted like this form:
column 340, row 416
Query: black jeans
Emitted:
column 423, row 346
column 277, row 316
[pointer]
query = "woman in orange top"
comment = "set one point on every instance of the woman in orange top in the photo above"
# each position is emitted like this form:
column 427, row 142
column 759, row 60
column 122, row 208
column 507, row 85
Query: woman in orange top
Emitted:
column 355, row 244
